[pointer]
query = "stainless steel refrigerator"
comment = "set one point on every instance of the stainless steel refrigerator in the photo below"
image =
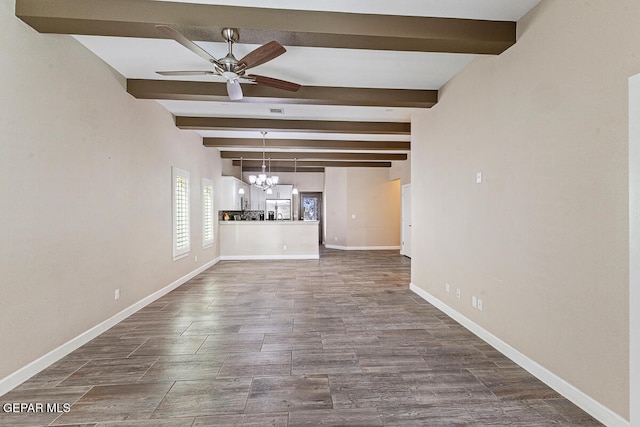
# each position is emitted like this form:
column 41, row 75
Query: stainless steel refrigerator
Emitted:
column 278, row 209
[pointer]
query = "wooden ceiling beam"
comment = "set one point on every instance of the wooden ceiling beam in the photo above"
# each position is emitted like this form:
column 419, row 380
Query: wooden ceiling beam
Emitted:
column 313, row 164
column 316, row 95
column 203, row 22
column 304, row 156
column 316, row 144
column 270, row 125
column 280, row 169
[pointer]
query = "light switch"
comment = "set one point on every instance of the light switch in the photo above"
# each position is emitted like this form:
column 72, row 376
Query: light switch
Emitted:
column 353, row 216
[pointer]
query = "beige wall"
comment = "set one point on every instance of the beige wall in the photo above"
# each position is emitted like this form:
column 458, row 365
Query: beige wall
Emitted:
column 544, row 239
column 86, row 190
column 401, row 171
column 311, row 181
column 363, row 208
column 228, row 169
column 335, row 206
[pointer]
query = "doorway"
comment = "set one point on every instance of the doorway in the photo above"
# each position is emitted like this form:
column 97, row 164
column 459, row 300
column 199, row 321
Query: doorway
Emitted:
column 405, row 231
column 311, row 210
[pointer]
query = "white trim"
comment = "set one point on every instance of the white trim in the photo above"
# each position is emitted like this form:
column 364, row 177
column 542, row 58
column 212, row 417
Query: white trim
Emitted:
column 16, row 378
column 363, row 248
column 588, row 404
column 177, row 257
column 180, row 252
column 208, row 184
column 265, row 257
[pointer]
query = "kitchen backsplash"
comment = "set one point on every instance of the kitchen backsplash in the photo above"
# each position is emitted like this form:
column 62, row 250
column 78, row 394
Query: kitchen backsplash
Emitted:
column 242, row 215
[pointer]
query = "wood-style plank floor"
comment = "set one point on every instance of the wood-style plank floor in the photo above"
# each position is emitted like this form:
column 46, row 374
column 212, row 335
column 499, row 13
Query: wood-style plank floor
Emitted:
column 339, row 341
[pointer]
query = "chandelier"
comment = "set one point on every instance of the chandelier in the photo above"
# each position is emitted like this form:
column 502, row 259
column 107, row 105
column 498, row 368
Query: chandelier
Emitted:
column 264, row 181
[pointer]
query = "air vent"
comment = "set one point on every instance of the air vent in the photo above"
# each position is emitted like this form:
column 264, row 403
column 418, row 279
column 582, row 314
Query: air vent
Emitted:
column 276, row 110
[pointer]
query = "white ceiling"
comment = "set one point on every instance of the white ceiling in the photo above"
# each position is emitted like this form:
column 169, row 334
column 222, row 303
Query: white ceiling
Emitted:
column 141, row 58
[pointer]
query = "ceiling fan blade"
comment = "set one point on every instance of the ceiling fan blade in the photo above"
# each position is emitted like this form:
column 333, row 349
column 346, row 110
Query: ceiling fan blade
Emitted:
column 175, row 35
column 234, row 90
column 186, row 73
column 260, row 55
column 275, row 83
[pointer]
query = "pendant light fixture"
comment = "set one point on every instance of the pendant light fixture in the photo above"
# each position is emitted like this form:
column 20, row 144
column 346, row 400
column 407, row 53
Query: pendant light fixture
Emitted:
column 241, row 190
column 295, row 176
column 269, row 190
column 264, row 181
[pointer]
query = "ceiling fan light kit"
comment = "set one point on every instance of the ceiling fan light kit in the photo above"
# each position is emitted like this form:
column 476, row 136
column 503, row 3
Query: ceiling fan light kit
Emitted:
column 232, row 69
column 234, row 90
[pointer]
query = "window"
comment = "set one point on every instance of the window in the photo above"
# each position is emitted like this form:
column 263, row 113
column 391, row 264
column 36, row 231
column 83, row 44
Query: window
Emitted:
column 181, row 225
column 207, row 213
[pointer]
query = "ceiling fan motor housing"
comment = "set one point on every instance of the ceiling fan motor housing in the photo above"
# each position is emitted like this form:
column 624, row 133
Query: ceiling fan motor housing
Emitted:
column 230, row 35
column 230, row 62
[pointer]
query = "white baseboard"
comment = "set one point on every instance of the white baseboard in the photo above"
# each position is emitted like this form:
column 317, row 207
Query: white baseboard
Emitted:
column 363, row 248
column 580, row 399
column 21, row 375
column 266, row 257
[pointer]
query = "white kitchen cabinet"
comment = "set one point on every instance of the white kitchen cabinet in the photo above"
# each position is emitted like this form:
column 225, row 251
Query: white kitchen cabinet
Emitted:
column 230, row 199
column 282, row 191
column 258, row 197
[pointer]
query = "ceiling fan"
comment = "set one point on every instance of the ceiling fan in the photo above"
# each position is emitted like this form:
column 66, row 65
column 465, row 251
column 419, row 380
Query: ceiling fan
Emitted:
column 229, row 67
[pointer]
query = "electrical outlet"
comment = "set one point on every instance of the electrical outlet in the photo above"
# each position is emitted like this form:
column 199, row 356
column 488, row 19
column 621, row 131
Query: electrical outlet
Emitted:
column 284, row 247
column 479, row 304
column 116, row 294
column 474, row 302
column 447, row 287
column 458, row 293
column 479, row 178
column 195, row 258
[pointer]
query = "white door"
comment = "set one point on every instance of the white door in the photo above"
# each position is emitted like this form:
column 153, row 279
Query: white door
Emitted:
column 406, row 221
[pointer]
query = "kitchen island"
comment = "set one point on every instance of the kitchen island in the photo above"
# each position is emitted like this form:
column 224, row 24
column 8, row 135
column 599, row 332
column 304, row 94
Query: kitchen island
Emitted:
column 242, row 240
